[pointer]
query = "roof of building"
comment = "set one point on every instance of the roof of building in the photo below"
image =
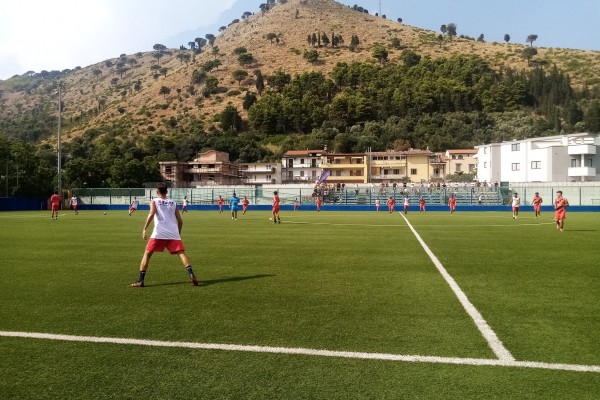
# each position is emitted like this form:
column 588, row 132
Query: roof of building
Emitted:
column 463, row 151
column 303, row 152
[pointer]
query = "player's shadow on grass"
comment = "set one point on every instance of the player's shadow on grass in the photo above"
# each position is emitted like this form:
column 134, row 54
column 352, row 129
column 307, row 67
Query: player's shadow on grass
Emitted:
column 215, row 281
column 233, row 279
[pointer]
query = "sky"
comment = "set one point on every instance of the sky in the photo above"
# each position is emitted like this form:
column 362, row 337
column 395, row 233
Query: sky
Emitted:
column 38, row 35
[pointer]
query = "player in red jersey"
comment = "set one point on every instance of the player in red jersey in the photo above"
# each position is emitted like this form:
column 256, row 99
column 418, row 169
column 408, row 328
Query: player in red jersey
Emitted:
column 319, row 203
column 452, row 203
column 245, row 203
column 560, row 207
column 220, row 201
column 422, row 204
column 55, row 204
column 276, row 217
column 537, row 204
column 390, row 203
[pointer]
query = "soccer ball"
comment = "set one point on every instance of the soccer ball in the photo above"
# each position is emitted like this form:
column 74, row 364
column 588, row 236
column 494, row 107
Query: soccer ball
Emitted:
column 104, row 212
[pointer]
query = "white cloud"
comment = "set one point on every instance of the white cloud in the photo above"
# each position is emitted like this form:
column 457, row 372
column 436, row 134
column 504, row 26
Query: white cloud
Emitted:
column 59, row 34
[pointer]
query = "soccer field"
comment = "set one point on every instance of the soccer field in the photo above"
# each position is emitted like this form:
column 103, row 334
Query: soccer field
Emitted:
column 330, row 305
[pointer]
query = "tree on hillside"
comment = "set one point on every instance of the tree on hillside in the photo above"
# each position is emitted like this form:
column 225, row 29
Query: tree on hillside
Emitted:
column 96, row 72
column 198, row 77
column 245, row 59
column 311, row 55
column 249, row 100
column 354, row 42
column 271, row 36
column 164, row 91
column 159, row 47
column 313, row 39
column 246, row 14
column 240, row 50
column 211, row 86
column 443, row 29
column 200, row 43
column 164, row 71
column 260, row 82
column 215, row 51
column 264, row 7
column 222, row 28
column 410, row 58
column 530, row 39
column 239, row 75
column 211, row 38
column 440, row 39
column 192, row 45
column 451, row 29
column 480, row 38
column 230, row 119
column 529, row 53
column 158, row 56
column 399, row 20
column 380, row 53
column 506, row 37
column 278, row 80
column 325, row 39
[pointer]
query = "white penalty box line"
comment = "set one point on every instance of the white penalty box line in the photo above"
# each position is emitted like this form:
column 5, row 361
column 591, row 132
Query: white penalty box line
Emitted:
column 307, row 352
column 490, row 336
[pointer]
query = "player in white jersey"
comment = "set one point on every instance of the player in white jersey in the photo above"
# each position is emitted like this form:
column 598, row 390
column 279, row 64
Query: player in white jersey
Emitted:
column 166, row 233
column 185, row 204
column 134, row 205
column 516, row 203
column 74, row 204
column 377, row 204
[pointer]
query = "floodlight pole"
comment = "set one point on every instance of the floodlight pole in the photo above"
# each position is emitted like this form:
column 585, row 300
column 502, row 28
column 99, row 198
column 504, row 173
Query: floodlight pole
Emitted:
column 58, row 180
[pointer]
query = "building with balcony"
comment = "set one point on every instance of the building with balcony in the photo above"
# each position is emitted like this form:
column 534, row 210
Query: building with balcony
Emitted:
column 301, row 166
column 261, row 173
column 209, row 168
column 345, row 168
column 564, row 158
column 461, row 161
column 411, row 165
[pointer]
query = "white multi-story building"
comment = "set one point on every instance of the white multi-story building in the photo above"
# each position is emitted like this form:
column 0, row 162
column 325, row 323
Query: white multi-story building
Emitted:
column 301, row 166
column 564, row 158
column 261, row 173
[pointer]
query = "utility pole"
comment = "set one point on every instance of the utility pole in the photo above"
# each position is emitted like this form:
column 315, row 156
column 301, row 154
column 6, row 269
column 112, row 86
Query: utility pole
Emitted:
column 58, row 180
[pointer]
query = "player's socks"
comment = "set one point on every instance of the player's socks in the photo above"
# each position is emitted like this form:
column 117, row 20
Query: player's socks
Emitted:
column 142, row 276
column 189, row 270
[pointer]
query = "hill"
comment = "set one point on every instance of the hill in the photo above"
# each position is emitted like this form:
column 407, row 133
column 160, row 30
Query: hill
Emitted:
column 126, row 91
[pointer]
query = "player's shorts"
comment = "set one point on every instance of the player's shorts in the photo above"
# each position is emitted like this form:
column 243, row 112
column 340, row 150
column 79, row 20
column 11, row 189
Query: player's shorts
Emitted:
column 234, row 208
column 183, row 208
column 560, row 215
column 54, row 207
column 132, row 209
column 244, row 207
column 276, row 209
column 159, row 245
column 74, row 206
column 515, row 208
column 405, row 207
column 537, row 207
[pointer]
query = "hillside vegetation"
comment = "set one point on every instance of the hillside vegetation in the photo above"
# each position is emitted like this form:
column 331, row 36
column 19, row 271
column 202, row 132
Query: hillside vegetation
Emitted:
column 295, row 74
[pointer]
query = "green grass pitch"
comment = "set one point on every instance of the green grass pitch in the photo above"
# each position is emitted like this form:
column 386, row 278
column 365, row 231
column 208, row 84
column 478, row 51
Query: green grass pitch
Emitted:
column 341, row 281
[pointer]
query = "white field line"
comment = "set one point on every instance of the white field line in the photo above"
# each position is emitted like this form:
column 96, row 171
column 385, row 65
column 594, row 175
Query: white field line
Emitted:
column 404, row 226
column 307, row 352
column 494, row 342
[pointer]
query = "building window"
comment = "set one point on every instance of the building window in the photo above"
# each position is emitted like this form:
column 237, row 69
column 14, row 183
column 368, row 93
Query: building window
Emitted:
column 485, row 150
column 436, row 171
column 314, row 174
column 338, row 173
column 454, row 156
column 268, row 177
column 458, row 167
column 574, row 162
column 396, row 172
column 301, row 173
column 471, row 168
column 516, row 166
column 168, row 169
column 515, row 147
column 302, row 161
column 588, row 162
column 536, row 165
column 413, row 171
column 460, row 157
column 485, row 164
